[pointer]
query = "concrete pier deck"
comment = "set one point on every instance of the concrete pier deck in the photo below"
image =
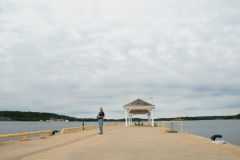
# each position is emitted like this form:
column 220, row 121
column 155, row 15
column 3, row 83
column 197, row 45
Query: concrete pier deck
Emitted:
column 117, row 143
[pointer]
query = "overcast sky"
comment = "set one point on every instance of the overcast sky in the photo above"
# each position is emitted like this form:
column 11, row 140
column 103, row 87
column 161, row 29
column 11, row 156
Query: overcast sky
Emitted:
column 71, row 57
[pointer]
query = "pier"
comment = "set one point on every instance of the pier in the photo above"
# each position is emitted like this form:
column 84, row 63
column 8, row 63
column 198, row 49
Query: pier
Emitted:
column 118, row 142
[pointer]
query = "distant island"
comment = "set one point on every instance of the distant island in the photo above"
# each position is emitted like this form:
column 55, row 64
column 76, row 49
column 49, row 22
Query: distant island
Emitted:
column 44, row 116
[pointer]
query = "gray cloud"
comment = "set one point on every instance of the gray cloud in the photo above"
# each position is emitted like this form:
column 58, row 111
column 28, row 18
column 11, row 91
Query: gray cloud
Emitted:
column 74, row 57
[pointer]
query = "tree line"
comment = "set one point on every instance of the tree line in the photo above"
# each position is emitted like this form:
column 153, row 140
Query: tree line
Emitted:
column 33, row 116
column 37, row 116
column 237, row 116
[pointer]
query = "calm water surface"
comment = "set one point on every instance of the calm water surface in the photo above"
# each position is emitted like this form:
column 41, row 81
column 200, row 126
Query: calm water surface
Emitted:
column 229, row 129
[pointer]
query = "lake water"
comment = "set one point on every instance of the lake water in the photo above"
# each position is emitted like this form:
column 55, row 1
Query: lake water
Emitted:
column 229, row 129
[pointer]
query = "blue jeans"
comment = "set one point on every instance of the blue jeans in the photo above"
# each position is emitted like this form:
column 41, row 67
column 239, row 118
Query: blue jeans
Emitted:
column 100, row 121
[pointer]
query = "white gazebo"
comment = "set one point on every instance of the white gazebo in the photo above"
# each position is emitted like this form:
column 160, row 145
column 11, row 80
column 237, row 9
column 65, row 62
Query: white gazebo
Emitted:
column 138, row 107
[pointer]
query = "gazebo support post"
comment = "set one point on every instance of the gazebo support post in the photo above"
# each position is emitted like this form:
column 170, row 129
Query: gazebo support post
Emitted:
column 131, row 118
column 149, row 117
column 152, row 118
column 126, row 117
column 149, row 121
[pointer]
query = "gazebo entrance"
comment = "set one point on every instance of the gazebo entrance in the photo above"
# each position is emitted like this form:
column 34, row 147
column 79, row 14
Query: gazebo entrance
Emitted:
column 138, row 107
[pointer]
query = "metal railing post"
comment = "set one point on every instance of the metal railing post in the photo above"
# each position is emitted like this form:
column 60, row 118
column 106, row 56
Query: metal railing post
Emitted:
column 42, row 135
column 24, row 137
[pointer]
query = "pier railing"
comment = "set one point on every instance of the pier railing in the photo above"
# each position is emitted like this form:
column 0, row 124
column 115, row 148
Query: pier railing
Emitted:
column 25, row 134
column 81, row 128
column 64, row 130
column 161, row 125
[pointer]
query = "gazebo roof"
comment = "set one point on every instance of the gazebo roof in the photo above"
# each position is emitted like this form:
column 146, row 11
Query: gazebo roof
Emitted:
column 139, row 103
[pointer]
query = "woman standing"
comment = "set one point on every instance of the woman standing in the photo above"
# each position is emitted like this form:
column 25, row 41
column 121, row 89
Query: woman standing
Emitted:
column 101, row 115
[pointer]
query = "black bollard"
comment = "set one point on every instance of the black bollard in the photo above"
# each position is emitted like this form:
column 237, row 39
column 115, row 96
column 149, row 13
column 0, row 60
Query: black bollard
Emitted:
column 53, row 133
column 215, row 136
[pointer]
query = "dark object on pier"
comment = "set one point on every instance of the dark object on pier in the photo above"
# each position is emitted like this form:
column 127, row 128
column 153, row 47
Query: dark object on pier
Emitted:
column 215, row 136
column 54, row 132
column 142, row 123
column 83, row 125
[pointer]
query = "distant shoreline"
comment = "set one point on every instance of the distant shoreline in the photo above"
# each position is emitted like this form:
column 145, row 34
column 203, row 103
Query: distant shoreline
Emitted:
column 144, row 120
column 44, row 116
